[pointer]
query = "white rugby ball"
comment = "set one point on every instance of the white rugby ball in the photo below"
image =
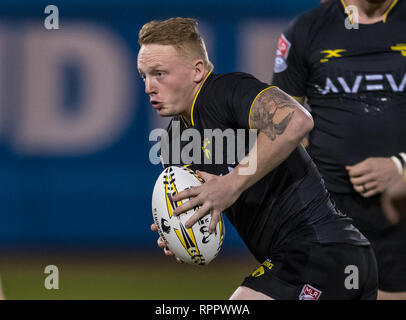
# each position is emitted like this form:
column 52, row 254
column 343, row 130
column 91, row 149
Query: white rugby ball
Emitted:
column 191, row 245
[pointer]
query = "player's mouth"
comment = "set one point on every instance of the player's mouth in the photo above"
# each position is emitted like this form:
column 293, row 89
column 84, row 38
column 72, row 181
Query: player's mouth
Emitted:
column 156, row 104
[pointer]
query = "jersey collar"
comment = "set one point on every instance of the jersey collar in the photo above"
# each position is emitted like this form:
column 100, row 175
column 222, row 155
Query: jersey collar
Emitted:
column 385, row 15
column 194, row 100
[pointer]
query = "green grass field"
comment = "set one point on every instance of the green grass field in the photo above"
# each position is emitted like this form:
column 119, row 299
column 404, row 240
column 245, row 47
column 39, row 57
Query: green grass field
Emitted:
column 122, row 276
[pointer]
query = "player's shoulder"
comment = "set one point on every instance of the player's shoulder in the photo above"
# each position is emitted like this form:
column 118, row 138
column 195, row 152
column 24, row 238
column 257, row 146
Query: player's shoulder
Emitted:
column 230, row 77
column 223, row 83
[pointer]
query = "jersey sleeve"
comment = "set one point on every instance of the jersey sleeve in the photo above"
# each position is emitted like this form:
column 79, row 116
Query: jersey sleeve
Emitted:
column 290, row 65
column 236, row 92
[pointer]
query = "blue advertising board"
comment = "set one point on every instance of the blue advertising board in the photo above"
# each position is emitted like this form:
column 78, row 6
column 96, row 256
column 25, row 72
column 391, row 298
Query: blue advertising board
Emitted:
column 75, row 121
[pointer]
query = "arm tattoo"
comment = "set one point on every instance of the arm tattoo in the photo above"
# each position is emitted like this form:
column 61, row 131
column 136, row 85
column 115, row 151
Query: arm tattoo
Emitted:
column 272, row 102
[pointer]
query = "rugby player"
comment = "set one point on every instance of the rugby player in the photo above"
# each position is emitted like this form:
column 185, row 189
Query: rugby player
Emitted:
column 282, row 211
column 348, row 58
column 351, row 67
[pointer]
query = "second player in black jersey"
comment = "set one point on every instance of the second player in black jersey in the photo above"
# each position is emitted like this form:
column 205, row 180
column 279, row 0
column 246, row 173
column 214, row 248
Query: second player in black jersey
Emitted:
column 355, row 82
column 348, row 57
column 281, row 209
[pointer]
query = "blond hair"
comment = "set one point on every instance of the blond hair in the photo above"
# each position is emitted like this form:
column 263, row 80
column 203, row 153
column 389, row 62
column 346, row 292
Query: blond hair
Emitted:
column 182, row 33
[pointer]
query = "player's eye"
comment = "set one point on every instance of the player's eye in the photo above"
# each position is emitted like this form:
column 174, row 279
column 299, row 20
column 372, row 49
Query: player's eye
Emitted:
column 160, row 73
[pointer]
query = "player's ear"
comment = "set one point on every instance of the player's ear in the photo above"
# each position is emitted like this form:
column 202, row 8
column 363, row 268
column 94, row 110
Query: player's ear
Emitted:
column 198, row 70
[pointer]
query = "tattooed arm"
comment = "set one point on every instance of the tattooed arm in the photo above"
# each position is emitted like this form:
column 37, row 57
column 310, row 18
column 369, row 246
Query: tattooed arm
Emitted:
column 281, row 123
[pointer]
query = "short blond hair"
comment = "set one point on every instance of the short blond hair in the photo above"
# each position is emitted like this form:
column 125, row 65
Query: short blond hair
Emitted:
column 182, row 33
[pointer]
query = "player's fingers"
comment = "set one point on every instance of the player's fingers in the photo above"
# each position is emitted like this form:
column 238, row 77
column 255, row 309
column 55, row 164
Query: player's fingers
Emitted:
column 188, row 193
column 161, row 243
column 168, row 252
column 358, row 170
column 178, row 260
column 214, row 220
column 360, row 180
column 154, row 227
column 205, row 175
column 202, row 211
column 370, row 193
column 186, row 206
column 364, row 188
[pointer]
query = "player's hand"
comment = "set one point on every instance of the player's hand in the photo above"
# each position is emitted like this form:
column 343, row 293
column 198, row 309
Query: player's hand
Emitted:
column 161, row 243
column 372, row 176
column 213, row 197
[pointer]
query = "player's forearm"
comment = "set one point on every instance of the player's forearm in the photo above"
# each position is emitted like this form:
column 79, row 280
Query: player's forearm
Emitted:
column 282, row 124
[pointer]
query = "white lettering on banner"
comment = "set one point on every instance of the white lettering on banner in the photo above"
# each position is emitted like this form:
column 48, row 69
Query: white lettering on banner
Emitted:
column 378, row 79
column 104, row 110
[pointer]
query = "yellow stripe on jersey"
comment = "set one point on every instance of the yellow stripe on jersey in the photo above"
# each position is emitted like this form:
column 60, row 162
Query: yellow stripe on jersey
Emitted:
column 348, row 14
column 385, row 15
column 194, row 100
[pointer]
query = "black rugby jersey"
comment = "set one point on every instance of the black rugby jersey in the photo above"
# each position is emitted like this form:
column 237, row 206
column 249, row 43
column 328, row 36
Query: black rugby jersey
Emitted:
column 355, row 81
column 290, row 202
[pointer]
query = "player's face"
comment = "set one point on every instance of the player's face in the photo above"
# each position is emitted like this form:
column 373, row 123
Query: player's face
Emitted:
column 169, row 79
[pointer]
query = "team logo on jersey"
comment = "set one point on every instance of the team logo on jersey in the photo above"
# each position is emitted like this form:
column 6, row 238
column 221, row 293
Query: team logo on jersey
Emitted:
column 261, row 270
column 282, row 54
column 205, row 148
column 400, row 47
column 309, row 293
column 336, row 53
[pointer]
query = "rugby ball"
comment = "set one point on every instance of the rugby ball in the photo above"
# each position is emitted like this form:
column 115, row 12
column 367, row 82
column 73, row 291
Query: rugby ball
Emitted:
column 190, row 245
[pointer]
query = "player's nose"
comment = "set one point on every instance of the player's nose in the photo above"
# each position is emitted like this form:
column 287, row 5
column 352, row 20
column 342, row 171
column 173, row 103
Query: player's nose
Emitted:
column 149, row 87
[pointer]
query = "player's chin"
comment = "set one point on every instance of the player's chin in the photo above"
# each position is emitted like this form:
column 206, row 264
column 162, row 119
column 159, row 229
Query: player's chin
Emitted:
column 163, row 112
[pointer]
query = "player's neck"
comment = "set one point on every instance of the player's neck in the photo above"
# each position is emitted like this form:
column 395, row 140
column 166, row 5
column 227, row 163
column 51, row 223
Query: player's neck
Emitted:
column 370, row 12
column 187, row 116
